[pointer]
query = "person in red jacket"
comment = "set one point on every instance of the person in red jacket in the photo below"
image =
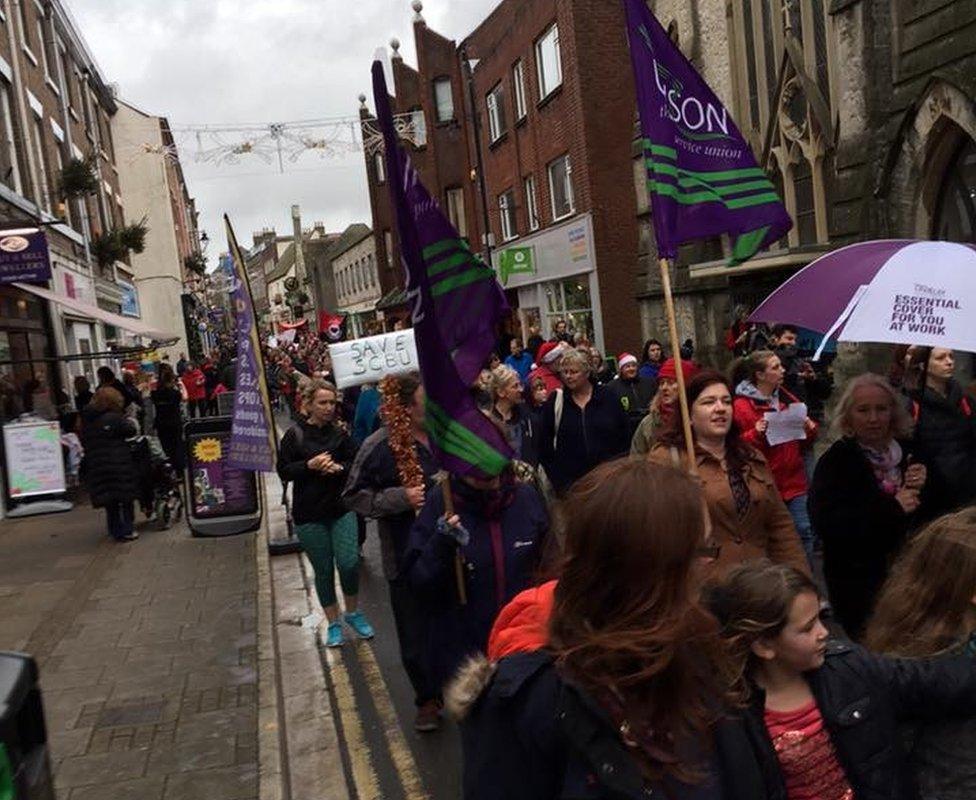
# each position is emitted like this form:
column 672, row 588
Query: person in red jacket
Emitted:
column 547, row 365
column 196, row 390
column 759, row 390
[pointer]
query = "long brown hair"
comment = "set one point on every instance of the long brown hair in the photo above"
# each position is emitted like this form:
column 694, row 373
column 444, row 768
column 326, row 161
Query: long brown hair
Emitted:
column 753, row 602
column 737, row 452
column 926, row 603
column 626, row 623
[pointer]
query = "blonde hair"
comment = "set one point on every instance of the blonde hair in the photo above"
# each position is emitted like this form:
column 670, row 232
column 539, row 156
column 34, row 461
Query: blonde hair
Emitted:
column 502, row 376
column 924, row 607
column 108, row 399
column 574, row 358
column 313, row 386
column 901, row 420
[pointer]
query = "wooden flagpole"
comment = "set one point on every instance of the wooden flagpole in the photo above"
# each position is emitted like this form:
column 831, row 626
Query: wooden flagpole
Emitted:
column 458, row 562
column 665, row 266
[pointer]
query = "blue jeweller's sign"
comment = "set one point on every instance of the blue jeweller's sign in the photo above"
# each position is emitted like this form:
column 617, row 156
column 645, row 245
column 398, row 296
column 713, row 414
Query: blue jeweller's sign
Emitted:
column 24, row 256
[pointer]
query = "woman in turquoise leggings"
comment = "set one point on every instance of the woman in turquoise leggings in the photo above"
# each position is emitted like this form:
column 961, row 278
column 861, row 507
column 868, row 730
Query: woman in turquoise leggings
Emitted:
column 315, row 455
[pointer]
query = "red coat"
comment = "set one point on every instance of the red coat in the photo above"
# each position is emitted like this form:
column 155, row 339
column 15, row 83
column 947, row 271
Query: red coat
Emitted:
column 195, row 383
column 785, row 460
column 549, row 378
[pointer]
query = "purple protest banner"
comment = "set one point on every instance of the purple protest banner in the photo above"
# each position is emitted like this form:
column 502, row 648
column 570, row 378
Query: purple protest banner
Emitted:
column 702, row 176
column 252, row 438
column 456, row 304
column 24, row 257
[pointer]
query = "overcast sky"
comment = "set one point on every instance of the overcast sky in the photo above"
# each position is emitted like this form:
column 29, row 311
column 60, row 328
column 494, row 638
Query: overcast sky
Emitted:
column 244, row 61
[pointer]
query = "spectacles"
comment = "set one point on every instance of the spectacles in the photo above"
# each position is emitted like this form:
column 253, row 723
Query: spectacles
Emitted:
column 710, row 551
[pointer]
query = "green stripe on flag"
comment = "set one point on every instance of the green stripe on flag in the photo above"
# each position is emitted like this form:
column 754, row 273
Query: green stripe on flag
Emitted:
column 461, row 442
column 467, row 277
column 747, row 244
column 694, row 198
column 707, row 177
column 437, row 248
column 450, row 262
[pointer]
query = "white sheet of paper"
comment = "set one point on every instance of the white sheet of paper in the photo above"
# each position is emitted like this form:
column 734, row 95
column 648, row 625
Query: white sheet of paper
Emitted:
column 787, row 425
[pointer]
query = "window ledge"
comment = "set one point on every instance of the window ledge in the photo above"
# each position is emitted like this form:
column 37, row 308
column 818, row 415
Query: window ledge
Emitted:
column 550, row 97
column 29, row 54
column 510, row 239
column 446, row 123
column 522, row 120
column 74, row 114
column 52, row 85
column 503, row 137
column 556, row 219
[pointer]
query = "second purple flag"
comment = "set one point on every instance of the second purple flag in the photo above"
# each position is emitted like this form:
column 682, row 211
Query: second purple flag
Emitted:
column 702, row 176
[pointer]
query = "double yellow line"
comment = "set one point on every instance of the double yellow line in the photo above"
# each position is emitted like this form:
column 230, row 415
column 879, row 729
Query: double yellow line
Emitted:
column 364, row 777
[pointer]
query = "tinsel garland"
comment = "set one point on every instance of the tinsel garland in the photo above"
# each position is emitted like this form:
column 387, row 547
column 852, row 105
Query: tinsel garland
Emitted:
column 397, row 418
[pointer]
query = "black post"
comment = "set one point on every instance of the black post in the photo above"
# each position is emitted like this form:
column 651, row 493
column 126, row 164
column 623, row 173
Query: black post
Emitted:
column 486, row 220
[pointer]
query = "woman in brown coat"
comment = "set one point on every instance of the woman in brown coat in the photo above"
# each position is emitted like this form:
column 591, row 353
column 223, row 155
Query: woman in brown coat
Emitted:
column 749, row 519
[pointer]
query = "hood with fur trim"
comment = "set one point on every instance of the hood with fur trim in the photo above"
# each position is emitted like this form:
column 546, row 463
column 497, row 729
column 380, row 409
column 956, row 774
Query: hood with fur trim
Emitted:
column 521, row 627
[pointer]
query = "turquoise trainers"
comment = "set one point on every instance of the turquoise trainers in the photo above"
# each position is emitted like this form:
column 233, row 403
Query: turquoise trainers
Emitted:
column 358, row 623
column 334, row 637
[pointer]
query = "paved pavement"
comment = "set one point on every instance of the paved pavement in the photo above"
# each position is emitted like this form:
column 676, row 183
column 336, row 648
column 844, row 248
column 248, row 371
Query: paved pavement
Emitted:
column 147, row 653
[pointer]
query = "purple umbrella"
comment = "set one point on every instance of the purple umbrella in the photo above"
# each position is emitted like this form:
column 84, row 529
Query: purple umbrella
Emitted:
column 897, row 291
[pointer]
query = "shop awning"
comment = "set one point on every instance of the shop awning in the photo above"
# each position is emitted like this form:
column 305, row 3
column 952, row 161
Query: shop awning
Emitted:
column 392, row 299
column 136, row 326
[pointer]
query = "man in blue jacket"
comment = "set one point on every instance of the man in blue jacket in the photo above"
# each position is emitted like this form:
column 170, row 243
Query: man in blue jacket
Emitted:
column 520, row 359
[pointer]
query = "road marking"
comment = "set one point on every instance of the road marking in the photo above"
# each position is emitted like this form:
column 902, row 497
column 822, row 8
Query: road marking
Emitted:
column 403, row 760
column 361, row 763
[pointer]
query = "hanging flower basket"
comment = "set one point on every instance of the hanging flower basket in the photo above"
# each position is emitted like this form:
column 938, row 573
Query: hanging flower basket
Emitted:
column 196, row 262
column 133, row 236
column 106, row 248
column 78, row 178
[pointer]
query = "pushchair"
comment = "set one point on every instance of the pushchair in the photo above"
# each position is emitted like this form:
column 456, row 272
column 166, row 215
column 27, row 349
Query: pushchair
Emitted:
column 159, row 485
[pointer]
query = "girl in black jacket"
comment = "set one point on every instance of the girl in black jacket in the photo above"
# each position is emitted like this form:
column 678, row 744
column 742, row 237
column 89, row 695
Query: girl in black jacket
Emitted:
column 823, row 718
column 315, row 455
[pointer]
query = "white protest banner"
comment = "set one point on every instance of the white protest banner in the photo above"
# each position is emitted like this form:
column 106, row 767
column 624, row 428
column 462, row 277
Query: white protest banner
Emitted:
column 35, row 465
column 368, row 360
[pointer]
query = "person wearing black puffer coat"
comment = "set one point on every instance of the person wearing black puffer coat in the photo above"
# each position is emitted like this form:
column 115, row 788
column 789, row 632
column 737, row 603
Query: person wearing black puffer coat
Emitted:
column 109, row 472
column 945, row 431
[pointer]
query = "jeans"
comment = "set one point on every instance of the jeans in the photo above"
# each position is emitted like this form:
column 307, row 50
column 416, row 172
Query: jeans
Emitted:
column 332, row 546
column 120, row 519
column 801, row 520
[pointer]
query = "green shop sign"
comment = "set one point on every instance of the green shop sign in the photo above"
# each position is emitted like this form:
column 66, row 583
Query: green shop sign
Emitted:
column 513, row 261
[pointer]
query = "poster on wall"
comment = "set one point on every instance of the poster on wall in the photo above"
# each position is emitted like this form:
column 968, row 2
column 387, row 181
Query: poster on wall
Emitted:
column 35, row 465
column 217, row 489
column 24, row 256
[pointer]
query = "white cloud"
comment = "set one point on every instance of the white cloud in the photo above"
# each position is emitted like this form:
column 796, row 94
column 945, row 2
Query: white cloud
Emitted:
column 249, row 61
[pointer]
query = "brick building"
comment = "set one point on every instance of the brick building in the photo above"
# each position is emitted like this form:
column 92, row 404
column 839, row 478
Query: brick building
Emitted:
column 55, row 106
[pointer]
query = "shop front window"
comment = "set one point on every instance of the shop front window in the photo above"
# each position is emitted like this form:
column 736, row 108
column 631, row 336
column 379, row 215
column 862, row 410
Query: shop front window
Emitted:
column 569, row 300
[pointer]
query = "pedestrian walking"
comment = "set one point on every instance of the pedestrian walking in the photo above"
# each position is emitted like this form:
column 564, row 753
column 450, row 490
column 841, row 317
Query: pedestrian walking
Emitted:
column 749, row 519
column 945, row 429
column 509, row 409
column 498, row 531
column 926, row 610
column 662, row 407
column 822, row 717
column 196, row 390
column 582, row 425
column 168, row 418
column 315, row 455
column 759, row 392
column 610, row 683
column 864, row 497
column 652, row 359
column 634, row 392
column 211, row 380
column 109, row 472
column 374, row 489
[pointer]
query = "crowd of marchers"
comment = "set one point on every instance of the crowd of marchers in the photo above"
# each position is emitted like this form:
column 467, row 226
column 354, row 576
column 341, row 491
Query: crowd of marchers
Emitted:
column 624, row 623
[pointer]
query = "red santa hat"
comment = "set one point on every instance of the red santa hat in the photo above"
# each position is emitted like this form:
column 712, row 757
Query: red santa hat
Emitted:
column 624, row 359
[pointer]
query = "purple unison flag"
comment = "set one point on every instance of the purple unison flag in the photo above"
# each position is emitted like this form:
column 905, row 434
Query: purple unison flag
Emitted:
column 456, row 303
column 701, row 174
column 252, row 439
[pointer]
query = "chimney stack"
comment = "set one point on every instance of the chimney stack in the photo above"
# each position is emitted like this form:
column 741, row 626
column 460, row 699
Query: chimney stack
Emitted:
column 296, row 223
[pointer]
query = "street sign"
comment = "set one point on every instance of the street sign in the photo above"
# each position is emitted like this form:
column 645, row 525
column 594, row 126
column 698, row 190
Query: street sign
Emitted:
column 24, row 256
